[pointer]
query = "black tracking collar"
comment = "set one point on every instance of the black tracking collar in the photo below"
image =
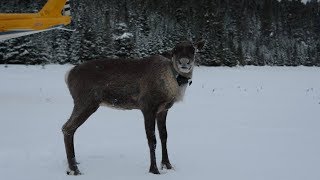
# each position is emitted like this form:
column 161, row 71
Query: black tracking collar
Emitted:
column 183, row 80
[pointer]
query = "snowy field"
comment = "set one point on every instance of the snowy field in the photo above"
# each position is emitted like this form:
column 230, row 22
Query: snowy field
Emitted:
column 243, row 123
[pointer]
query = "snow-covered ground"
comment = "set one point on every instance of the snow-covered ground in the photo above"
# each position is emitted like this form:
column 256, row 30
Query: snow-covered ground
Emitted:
column 243, row 123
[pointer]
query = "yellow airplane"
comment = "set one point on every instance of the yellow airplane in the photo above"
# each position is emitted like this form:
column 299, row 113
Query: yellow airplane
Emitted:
column 54, row 15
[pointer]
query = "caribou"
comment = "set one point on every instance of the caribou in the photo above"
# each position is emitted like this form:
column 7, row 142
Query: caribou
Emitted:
column 152, row 85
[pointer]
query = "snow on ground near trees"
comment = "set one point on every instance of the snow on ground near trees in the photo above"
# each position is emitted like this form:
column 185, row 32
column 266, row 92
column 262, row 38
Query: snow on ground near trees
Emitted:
column 243, row 123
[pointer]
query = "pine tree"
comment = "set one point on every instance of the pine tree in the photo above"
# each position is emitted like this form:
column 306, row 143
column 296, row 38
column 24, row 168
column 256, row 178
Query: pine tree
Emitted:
column 242, row 32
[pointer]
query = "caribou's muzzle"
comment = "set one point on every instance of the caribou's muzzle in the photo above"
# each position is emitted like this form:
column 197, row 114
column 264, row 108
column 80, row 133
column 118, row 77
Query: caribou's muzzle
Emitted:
column 184, row 65
column 184, row 61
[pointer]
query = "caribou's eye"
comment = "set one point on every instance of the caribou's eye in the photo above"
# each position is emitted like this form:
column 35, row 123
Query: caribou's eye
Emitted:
column 174, row 50
column 192, row 50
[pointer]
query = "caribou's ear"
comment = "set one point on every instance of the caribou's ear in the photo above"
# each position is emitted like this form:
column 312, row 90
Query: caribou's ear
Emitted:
column 167, row 54
column 199, row 44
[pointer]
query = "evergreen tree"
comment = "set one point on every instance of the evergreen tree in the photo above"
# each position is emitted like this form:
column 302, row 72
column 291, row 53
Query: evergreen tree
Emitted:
column 271, row 32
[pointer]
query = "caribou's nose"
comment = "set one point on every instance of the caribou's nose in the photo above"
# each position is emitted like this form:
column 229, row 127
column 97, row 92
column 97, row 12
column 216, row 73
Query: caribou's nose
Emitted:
column 184, row 61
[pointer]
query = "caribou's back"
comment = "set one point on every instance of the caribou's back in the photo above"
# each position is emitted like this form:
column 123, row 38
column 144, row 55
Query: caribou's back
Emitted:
column 123, row 83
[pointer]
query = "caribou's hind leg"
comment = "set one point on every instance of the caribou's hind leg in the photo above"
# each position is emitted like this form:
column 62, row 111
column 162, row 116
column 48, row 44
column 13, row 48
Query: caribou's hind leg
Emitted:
column 161, row 121
column 79, row 115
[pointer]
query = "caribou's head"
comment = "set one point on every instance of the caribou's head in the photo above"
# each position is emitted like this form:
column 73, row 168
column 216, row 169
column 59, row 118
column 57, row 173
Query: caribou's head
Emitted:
column 183, row 56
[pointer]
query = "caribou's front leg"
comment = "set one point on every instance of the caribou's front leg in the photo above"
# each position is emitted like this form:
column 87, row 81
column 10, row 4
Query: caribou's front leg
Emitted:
column 150, row 123
column 161, row 121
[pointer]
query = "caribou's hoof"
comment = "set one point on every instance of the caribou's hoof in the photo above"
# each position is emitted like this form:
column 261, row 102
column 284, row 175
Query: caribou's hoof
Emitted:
column 154, row 170
column 166, row 165
column 74, row 173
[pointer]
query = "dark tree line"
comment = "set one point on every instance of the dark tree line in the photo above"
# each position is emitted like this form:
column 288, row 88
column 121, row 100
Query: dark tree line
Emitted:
column 238, row 32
